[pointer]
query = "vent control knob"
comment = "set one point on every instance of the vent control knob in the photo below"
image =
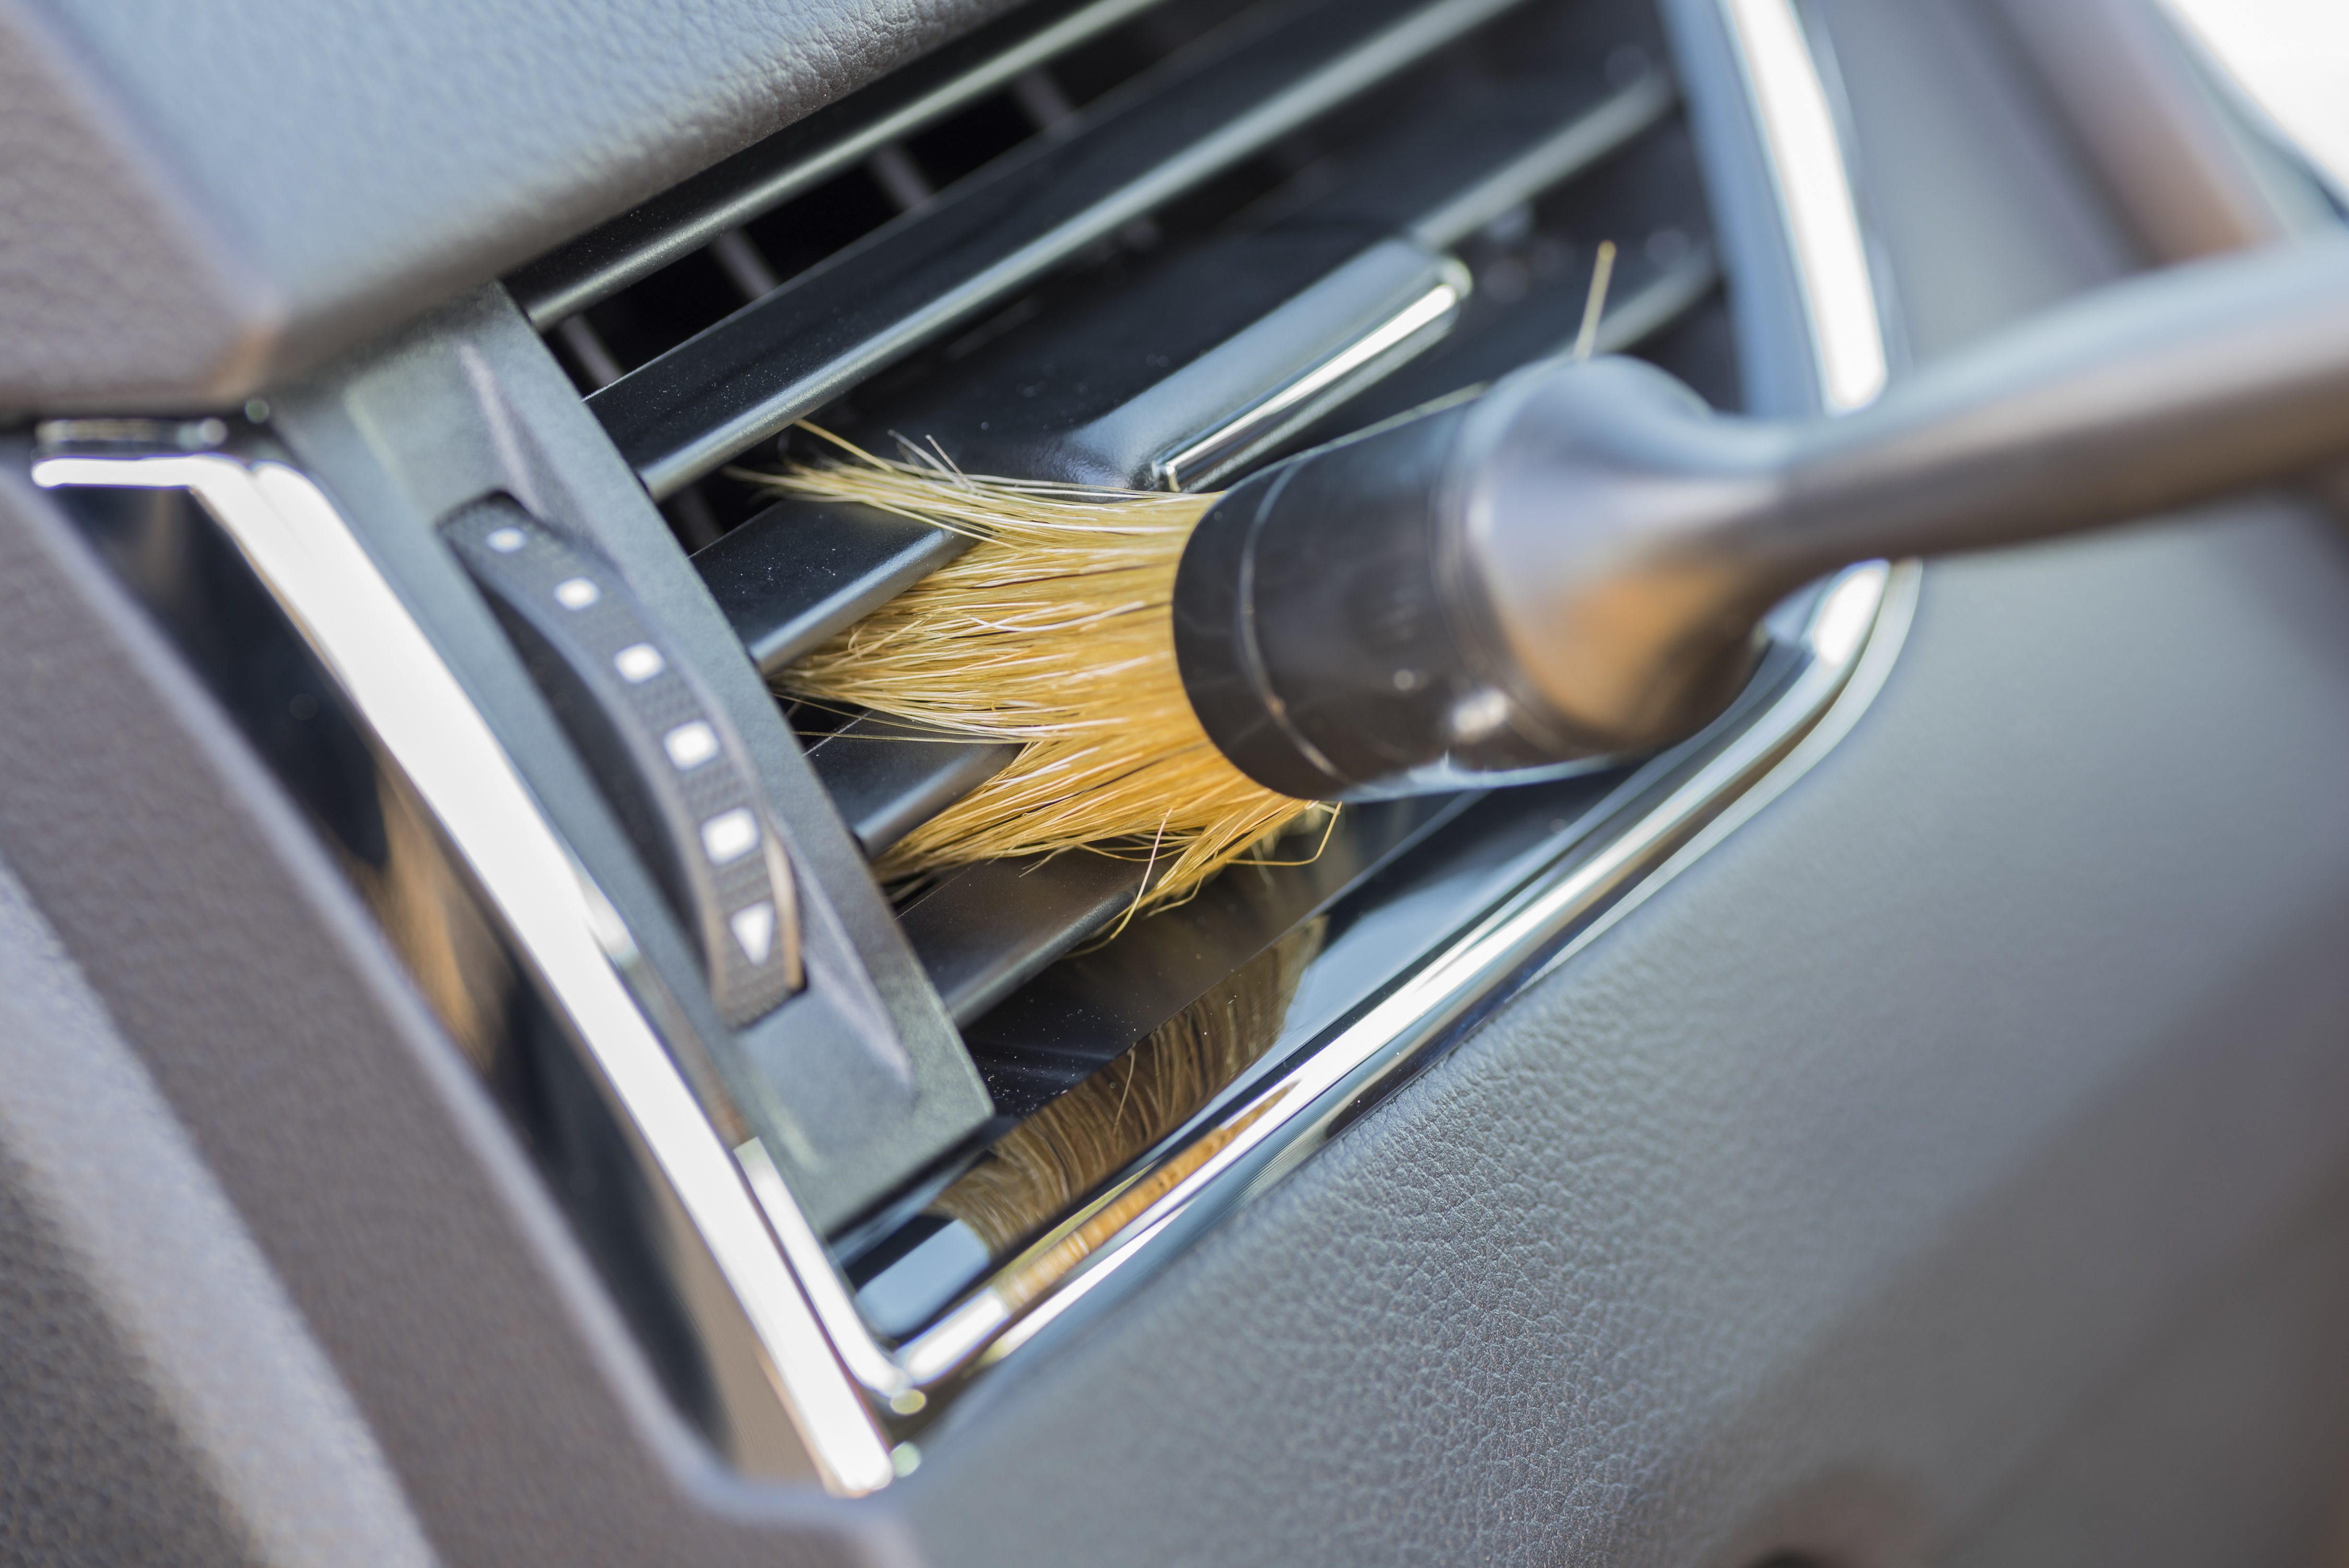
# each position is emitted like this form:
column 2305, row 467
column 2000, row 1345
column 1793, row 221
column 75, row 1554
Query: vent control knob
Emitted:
column 672, row 767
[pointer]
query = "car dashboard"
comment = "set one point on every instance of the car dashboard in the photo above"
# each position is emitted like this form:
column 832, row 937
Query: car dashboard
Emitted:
column 471, row 1096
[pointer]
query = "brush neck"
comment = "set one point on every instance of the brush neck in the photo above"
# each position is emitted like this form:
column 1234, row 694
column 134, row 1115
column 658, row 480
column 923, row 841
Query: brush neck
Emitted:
column 1324, row 624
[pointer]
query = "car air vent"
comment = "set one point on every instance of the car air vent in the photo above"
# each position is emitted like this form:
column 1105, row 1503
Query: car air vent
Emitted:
column 1150, row 245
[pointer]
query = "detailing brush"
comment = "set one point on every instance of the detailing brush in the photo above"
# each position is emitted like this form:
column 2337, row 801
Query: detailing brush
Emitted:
column 1051, row 632
column 1566, row 571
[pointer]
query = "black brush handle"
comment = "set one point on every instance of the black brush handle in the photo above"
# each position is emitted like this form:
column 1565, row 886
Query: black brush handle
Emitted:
column 1573, row 566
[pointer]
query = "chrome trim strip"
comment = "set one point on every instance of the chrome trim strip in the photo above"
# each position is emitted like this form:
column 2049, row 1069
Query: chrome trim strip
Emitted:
column 1225, row 1163
column 356, row 624
column 1805, row 155
column 1416, row 326
column 828, row 1293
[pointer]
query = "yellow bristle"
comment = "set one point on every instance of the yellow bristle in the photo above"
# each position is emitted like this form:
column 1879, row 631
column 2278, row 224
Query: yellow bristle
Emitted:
column 1030, row 1179
column 1054, row 631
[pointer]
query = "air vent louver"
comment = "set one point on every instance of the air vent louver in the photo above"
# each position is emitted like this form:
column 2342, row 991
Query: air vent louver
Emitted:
column 1142, row 244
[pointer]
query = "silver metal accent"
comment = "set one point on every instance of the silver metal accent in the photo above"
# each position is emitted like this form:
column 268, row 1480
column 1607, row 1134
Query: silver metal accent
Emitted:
column 850, row 1397
column 1208, row 457
column 354, row 623
column 1418, row 323
column 1799, row 132
column 56, row 436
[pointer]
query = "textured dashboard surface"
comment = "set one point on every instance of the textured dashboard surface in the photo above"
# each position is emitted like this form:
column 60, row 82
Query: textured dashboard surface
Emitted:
column 201, row 198
column 199, row 1423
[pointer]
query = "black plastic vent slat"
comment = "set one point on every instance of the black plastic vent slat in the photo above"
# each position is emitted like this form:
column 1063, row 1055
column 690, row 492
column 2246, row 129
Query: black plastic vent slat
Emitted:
column 987, row 929
column 1561, row 129
column 1124, row 369
column 1078, row 1016
column 888, row 777
column 1204, row 110
column 794, row 574
column 1528, row 147
column 827, row 143
column 799, row 572
column 1122, row 372
column 787, row 578
column 1649, row 200
column 981, row 936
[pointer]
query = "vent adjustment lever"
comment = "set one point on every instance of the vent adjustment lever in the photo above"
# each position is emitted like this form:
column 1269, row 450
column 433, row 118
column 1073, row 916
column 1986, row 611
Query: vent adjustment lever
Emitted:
column 670, row 763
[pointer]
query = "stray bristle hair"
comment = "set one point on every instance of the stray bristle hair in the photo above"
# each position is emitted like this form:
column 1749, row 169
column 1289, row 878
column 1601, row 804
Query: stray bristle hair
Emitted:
column 1055, row 631
column 1040, row 1167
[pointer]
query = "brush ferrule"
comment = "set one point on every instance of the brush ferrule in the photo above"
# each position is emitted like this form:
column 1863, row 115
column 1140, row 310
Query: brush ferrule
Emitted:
column 1331, row 635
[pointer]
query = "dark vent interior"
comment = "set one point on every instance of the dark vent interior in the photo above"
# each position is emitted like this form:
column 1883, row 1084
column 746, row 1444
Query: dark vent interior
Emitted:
column 1140, row 246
